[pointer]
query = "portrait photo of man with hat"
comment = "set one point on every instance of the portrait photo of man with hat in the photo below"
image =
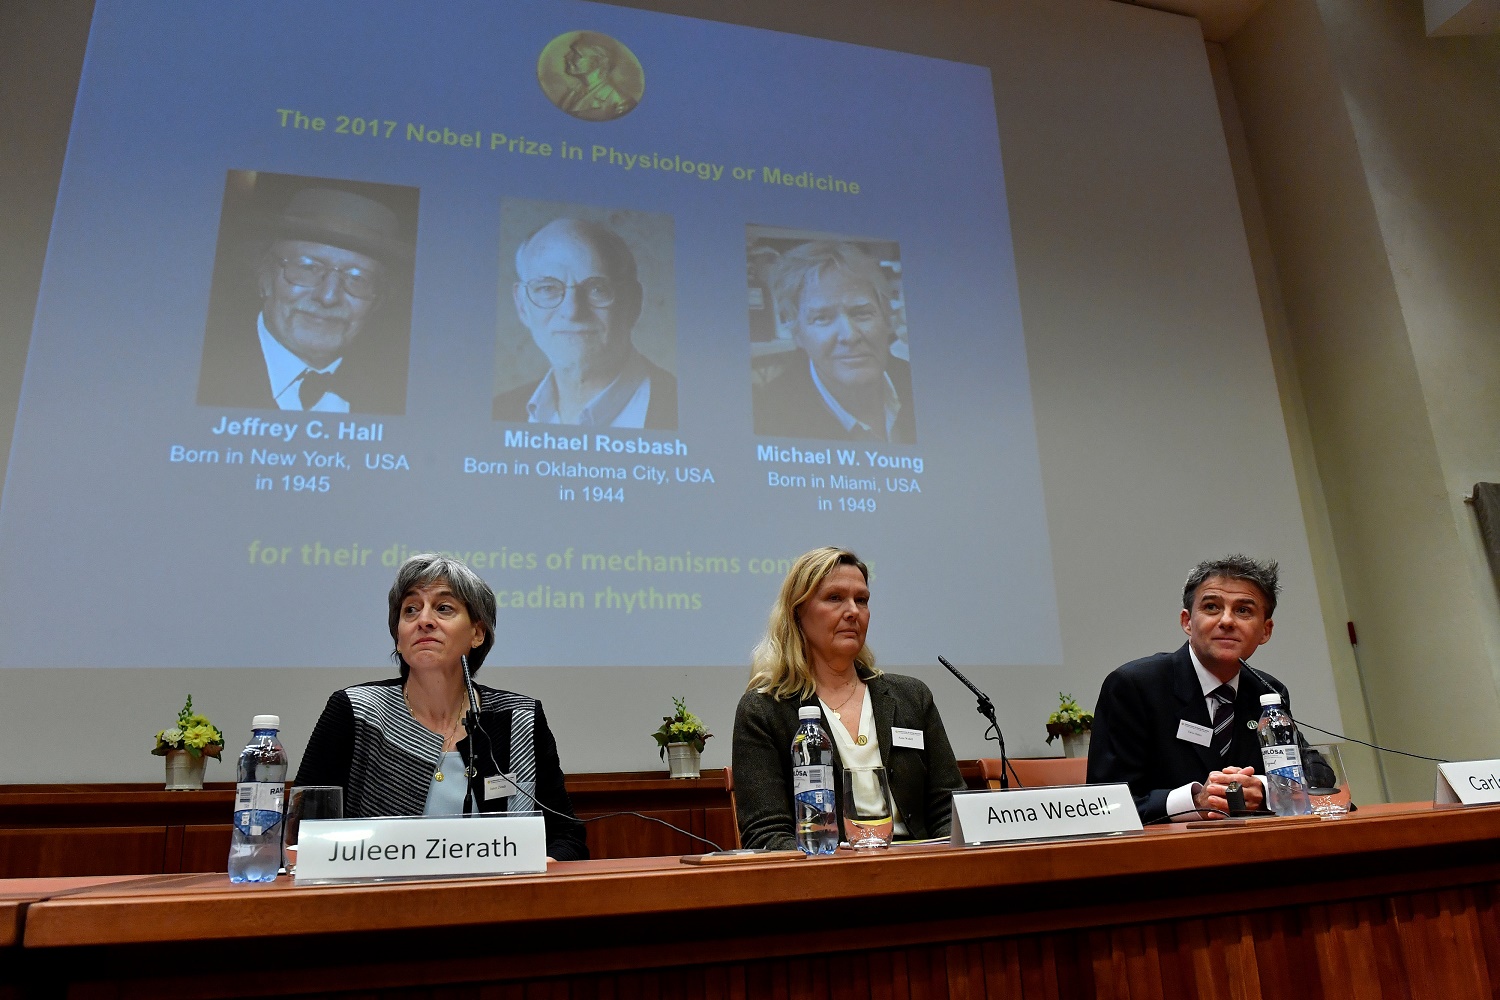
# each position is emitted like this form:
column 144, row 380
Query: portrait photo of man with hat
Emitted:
column 311, row 300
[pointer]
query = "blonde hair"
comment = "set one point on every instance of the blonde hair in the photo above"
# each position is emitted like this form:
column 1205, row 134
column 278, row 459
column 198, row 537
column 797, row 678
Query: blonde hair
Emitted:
column 779, row 665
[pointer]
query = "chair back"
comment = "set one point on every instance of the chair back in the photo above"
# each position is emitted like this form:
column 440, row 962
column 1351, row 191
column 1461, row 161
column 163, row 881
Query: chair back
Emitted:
column 1037, row 772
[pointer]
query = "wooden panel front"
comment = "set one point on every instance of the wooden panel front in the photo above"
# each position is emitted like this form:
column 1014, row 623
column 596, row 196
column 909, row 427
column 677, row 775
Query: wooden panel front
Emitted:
column 40, row 852
column 100, row 829
column 1441, row 945
column 204, row 849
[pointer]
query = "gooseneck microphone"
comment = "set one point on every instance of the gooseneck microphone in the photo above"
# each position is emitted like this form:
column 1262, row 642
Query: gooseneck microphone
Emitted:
column 986, row 708
column 475, row 727
column 471, row 723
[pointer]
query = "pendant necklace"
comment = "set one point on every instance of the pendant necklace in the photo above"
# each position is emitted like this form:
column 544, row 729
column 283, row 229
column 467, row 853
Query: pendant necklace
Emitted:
column 437, row 765
column 854, row 691
column 861, row 739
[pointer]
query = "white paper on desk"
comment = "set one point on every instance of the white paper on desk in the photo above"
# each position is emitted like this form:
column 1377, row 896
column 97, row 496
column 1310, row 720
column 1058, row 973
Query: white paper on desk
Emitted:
column 999, row 816
column 1471, row 782
column 337, row 850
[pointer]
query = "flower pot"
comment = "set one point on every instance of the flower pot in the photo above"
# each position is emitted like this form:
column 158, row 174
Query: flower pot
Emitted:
column 1075, row 744
column 682, row 759
column 184, row 771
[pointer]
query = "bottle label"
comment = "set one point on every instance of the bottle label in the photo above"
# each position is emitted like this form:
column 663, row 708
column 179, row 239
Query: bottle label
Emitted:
column 1284, row 760
column 812, row 785
column 257, row 806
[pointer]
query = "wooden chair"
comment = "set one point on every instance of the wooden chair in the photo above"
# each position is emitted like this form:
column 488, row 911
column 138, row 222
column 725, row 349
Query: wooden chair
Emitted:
column 1037, row 772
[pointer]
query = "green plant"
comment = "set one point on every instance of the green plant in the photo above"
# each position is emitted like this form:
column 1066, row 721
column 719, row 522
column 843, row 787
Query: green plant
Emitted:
column 681, row 726
column 193, row 733
column 1068, row 718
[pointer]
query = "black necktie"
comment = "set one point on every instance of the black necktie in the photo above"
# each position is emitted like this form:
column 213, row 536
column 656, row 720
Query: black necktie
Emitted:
column 315, row 384
column 1223, row 719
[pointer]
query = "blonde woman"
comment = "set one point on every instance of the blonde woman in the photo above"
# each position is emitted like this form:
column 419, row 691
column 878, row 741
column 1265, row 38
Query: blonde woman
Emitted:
column 814, row 653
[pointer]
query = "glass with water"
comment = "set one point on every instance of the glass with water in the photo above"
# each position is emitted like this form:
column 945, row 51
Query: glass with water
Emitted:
column 868, row 816
column 1331, row 801
column 309, row 802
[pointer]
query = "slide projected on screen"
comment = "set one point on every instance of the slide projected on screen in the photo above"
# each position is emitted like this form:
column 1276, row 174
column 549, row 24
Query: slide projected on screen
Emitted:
column 625, row 310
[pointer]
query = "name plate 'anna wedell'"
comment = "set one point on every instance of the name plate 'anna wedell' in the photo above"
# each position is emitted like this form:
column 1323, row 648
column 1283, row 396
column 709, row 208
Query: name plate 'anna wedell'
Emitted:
column 995, row 817
column 346, row 850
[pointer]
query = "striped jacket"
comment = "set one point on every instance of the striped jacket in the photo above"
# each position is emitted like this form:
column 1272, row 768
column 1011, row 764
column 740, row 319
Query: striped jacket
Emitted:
column 367, row 742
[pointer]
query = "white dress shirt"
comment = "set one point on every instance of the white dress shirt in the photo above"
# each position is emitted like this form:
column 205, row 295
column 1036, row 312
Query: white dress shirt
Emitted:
column 622, row 403
column 855, row 756
column 1180, row 800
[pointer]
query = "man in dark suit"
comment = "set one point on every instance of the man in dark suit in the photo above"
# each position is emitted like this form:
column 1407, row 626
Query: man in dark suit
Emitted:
column 1180, row 727
column 842, row 383
column 312, row 337
column 578, row 295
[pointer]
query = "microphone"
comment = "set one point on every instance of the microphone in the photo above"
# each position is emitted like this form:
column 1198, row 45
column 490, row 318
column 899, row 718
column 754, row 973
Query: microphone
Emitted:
column 475, row 727
column 987, row 709
column 471, row 723
column 469, row 686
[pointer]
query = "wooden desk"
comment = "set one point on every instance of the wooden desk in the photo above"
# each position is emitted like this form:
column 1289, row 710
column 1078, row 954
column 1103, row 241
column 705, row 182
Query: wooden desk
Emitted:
column 139, row 829
column 1397, row 901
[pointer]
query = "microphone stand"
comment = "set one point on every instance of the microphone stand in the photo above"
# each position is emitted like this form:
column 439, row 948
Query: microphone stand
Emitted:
column 986, row 708
column 471, row 723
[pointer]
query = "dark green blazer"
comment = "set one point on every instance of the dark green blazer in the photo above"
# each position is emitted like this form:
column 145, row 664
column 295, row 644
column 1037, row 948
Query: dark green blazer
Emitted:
column 922, row 781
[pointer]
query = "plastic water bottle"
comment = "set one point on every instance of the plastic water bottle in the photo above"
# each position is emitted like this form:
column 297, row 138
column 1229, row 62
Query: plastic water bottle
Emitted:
column 814, row 815
column 1286, row 786
column 255, row 841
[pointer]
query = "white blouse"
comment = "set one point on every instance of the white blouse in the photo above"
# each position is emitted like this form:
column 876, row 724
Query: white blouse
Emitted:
column 867, row 756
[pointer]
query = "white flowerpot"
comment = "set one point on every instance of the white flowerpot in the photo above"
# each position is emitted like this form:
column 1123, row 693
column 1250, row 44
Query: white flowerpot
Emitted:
column 184, row 771
column 682, row 759
column 1075, row 744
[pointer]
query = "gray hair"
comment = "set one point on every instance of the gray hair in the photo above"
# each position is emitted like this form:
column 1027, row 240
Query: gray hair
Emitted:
column 1235, row 567
column 610, row 245
column 429, row 567
column 789, row 274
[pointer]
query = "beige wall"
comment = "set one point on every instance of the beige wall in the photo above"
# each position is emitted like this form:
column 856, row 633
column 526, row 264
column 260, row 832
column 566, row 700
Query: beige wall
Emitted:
column 1374, row 151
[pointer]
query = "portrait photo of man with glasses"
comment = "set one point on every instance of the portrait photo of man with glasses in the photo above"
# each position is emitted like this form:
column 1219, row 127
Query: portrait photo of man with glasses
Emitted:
column 311, row 300
column 585, row 314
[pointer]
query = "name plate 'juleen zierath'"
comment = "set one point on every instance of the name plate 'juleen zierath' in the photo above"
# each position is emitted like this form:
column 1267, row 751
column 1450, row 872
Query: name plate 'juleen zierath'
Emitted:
column 994, row 817
column 337, row 850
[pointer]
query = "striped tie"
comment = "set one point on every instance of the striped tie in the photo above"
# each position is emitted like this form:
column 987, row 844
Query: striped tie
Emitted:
column 1223, row 719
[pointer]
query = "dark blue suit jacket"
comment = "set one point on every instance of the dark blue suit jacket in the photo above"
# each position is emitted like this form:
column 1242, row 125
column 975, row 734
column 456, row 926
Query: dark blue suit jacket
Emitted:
column 1135, row 729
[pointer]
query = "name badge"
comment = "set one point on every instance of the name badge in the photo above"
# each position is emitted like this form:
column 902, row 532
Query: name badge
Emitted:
column 907, row 738
column 1471, row 782
column 997, row 817
column 500, row 786
column 351, row 850
column 1192, row 732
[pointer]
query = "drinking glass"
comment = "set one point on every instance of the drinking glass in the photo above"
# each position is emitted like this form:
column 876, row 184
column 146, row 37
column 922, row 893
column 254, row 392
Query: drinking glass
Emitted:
column 308, row 802
column 868, row 816
column 1328, row 801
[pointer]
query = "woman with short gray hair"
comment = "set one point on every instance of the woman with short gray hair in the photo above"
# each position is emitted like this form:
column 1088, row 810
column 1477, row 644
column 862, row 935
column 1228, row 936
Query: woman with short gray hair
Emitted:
column 401, row 746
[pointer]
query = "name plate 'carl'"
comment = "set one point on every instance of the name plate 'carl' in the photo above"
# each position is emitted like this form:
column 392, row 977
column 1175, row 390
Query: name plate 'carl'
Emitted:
column 337, row 850
column 996, row 817
column 1472, row 782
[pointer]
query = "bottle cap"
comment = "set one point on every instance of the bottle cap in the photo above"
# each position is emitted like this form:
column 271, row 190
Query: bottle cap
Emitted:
column 266, row 722
column 1270, row 699
column 809, row 712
